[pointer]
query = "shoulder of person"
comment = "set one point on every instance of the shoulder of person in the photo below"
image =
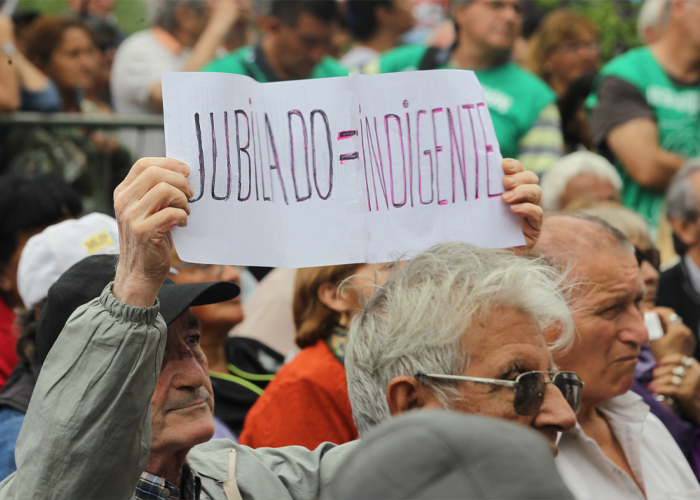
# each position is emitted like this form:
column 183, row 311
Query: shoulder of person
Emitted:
column 403, row 58
column 135, row 42
column 329, row 67
column 231, row 62
column 530, row 82
column 672, row 275
column 632, row 66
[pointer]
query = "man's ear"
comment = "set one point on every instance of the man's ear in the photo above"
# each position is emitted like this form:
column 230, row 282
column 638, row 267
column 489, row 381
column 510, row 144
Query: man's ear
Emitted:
column 328, row 295
column 406, row 393
column 686, row 231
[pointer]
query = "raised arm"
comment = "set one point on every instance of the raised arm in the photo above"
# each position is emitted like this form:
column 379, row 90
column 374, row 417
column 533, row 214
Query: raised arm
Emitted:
column 87, row 430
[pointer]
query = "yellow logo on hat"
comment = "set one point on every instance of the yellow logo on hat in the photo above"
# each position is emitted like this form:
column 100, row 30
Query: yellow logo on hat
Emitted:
column 98, row 242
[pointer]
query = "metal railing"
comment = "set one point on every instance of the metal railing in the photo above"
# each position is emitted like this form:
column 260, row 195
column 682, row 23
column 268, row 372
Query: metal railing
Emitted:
column 102, row 174
column 27, row 119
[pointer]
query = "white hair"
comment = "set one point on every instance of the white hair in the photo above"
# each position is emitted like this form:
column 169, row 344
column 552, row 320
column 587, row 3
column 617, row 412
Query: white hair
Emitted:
column 417, row 321
column 652, row 13
column 681, row 199
column 627, row 221
column 566, row 168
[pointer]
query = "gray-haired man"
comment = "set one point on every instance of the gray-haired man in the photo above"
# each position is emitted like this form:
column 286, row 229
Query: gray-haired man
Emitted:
column 618, row 449
column 679, row 287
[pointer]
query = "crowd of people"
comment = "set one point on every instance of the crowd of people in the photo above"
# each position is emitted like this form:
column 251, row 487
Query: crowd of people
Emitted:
column 126, row 372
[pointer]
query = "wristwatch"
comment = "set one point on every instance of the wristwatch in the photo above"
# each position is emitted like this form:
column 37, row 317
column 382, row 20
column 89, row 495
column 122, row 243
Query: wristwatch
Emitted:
column 8, row 49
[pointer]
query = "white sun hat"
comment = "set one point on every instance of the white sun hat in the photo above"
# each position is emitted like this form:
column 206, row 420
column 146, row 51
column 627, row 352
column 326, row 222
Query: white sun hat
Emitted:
column 49, row 254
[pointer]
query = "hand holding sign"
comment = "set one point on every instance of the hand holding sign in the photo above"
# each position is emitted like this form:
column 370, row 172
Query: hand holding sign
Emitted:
column 523, row 194
column 340, row 170
column 148, row 203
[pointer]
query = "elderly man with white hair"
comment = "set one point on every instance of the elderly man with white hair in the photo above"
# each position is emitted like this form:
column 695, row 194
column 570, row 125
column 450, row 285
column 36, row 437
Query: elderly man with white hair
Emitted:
column 618, row 449
column 462, row 328
column 578, row 176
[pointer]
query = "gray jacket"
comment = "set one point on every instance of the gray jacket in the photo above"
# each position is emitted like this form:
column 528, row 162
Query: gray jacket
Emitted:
column 87, row 431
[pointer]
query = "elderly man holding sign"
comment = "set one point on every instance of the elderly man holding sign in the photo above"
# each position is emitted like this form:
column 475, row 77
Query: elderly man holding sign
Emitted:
column 130, row 384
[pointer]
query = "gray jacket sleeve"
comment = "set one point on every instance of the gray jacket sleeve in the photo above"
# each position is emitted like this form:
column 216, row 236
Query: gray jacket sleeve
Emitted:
column 87, row 430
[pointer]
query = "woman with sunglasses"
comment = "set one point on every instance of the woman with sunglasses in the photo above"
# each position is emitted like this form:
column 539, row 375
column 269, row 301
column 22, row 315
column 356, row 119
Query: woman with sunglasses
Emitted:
column 665, row 362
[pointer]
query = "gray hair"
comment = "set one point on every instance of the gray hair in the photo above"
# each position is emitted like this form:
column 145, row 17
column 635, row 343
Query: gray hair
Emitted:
column 162, row 12
column 652, row 13
column 416, row 322
column 566, row 168
column 681, row 199
column 630, row 223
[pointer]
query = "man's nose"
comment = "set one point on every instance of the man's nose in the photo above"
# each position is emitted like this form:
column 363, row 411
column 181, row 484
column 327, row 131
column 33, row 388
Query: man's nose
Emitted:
column 633, row 329
column 230, row 273
column 189, row 371
column 555, row 411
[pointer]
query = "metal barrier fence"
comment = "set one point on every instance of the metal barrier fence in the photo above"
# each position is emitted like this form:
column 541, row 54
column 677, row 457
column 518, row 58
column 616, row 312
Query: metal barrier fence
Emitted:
column 102, row 178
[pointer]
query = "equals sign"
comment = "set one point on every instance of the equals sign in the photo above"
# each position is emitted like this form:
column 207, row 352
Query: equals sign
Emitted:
column 346, row 134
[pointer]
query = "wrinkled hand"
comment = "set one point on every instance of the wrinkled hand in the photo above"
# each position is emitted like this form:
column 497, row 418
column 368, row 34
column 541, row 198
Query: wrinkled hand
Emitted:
column 687, row 394
column 148, row 203
column 523, row 194
column 677, row 339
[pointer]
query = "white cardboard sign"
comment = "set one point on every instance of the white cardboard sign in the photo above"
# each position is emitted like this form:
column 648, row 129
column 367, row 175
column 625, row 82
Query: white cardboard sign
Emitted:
column 337, row 170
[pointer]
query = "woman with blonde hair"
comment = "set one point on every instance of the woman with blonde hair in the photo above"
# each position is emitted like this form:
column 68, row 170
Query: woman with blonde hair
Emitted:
column 563, row 49
column 307, row 402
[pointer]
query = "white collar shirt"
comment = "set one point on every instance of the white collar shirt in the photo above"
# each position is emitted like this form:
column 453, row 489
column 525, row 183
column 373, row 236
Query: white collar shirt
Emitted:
column 654, row 458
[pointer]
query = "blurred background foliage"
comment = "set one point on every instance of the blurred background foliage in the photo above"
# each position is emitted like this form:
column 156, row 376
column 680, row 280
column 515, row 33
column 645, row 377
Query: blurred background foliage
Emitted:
column 616, row 18
column 130, row 15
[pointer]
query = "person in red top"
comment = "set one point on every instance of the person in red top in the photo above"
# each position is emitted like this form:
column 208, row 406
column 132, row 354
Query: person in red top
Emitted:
column 307, row 402
column 28, row 204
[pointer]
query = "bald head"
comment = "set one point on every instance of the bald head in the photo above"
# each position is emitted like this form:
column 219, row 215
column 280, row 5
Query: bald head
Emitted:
column 579, row 236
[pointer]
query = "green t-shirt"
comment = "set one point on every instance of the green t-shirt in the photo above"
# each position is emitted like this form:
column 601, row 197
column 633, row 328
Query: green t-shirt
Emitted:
column 514, row 96
column 245, row 61
column 676, row 108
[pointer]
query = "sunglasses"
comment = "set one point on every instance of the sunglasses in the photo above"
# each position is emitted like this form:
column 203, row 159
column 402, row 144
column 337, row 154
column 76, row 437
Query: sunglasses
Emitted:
column 652, row 256
column 530, row 388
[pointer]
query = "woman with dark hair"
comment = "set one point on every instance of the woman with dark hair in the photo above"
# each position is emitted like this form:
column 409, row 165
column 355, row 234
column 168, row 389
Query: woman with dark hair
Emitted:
column 65, row 50
column 28, row 204
column 91, row 161
column 307, row 401
column 564, row 48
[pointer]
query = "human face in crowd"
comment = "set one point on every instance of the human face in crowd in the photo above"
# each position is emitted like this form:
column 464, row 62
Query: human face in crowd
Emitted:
column 493, row 25
column 301, row 47
column 505, row 344
column 183, row 403
column 400, row 17
column 609, row 323
column 74, row 62
column 213, row 317
column 8, row 272
column 650, row 275
column 586, row 186
column 572, row 59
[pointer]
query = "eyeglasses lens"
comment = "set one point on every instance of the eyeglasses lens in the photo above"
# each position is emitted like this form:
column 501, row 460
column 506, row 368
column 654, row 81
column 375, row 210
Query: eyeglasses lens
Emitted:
column 529, row 393
column 570, row 386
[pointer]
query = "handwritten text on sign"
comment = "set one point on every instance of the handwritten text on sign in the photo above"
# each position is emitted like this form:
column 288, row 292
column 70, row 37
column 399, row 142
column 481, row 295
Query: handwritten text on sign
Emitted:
column 335, row 171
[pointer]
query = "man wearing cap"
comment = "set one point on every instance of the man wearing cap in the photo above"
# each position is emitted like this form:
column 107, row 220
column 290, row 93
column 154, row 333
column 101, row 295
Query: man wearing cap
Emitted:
column 124, row 396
